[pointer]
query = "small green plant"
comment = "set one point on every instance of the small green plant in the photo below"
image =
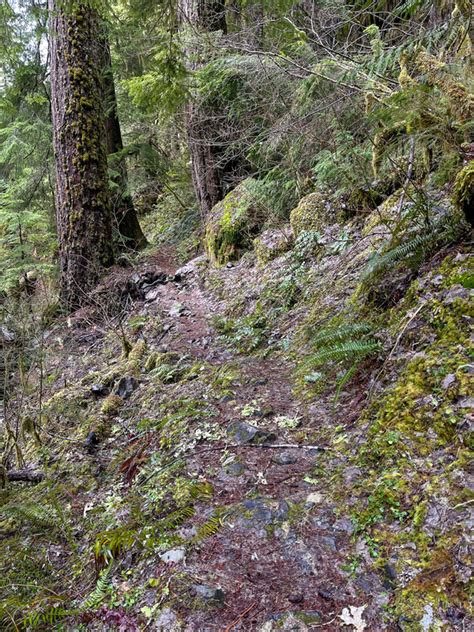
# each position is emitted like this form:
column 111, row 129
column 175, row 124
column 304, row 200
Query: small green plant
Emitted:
column 337, row 351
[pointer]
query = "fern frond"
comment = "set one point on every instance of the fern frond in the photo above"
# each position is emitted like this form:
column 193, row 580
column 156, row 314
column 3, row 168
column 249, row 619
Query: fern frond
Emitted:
column 331, row 335
column 49, row 616
column 210, row 527
column 109, row 544
column 404, row 250
column 176, row 518
column 344, row 351
column 348, row 375
column 97, row 596
column 41, row 516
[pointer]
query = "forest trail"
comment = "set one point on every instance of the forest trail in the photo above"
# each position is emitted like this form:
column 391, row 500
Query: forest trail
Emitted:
column 278, row 551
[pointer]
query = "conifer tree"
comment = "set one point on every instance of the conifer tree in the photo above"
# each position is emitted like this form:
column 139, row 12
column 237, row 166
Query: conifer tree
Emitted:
column 82, row 193
column 123, row 210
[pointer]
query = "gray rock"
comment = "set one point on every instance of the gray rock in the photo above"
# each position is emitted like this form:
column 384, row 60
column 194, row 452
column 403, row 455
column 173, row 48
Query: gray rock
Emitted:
column 126, row 386
column 284, row 458
column 345, row 525
column 264, row 511
column 177, row 309
column 210, row 594
column 173, row 556
column 457, row 292
column 370, row 583
column 191, row 267
column 167, row 621
column 448, row 381
column 234, row 469
column 100, row 390
column 329, row 542
column 6, row 335
column 242, row 432
column 466, row 402
column 390, row 575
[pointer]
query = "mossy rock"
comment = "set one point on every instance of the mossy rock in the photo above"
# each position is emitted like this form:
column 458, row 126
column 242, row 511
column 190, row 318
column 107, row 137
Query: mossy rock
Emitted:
column 111, row 405
column 463, row 193
column 233, row 223
column 272, row 243
column 314, row 213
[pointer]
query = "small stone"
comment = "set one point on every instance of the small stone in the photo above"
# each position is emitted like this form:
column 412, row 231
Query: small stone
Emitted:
column 211, row 594
column 466, row 402
column 91, row 442
column 242, row 432
column 261, row 382
column 344, row 524
column 177, row 309
column 230, row 265
column 448, row 381
column 296, row 598
column 325, row 594
column 167, row 621
column 329, row 542
column 315, row 498
column 284, row 458
column 235, row 469
column 173, row 556
column 100, row 390
column 126, row 386
column 390, row 575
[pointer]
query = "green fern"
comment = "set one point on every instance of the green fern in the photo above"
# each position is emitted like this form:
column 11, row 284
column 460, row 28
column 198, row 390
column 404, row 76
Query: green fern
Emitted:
column 347, row 377
column 110, row 544
column 405, row 250
column 97, row 596
column 49, row 616
column 38, row 515
column 210, row 527
column 344, row 351
column 175, row 519
column 331, row 335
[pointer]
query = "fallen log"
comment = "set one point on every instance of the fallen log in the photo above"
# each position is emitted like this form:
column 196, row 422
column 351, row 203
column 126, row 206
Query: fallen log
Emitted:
column 28, row 476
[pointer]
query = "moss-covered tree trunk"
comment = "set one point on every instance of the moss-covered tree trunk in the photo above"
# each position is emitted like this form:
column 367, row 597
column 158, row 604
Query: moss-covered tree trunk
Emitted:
column 123, row 210
column 82, row 194
column 207, row 170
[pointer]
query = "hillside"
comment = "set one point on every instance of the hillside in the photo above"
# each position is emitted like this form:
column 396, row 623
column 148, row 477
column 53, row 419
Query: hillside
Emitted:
column 236, row 303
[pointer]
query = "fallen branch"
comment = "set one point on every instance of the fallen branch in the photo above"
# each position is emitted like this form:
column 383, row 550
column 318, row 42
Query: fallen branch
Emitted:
column 28, row 476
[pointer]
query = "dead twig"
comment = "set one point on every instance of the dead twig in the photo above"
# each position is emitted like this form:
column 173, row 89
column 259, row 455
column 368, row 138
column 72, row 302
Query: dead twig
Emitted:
column 240, row 617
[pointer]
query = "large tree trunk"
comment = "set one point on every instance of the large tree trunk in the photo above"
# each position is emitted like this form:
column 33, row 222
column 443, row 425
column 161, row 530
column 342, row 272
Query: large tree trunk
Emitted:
column 123, row 211
column 82, row 194
column 208, row 16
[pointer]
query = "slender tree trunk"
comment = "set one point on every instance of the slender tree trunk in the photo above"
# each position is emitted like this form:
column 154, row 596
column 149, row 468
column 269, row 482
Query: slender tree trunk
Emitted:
column 82, row 194
column 208, row 16
column 123, row 210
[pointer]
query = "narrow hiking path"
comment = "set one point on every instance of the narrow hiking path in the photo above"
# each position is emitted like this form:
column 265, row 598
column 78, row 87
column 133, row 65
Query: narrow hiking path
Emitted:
column 280, row 546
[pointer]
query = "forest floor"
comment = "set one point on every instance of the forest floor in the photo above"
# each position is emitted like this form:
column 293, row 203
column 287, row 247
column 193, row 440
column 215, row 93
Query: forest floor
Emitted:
column 278, row 555
column 192, row 484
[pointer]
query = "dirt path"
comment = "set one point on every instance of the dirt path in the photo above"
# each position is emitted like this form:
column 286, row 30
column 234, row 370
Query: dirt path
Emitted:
column 278, row 554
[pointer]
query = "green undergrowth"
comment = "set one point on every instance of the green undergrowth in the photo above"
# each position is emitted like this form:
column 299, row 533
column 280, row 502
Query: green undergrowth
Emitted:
column 416, row 445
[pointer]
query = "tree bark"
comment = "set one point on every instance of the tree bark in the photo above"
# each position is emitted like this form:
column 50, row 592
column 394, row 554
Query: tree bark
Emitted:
column 209, row 16
column 123, row 211
column 82, row 193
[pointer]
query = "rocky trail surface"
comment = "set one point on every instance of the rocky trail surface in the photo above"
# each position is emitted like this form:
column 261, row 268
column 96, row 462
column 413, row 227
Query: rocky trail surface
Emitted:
column 277, row 559
column 190, row 483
